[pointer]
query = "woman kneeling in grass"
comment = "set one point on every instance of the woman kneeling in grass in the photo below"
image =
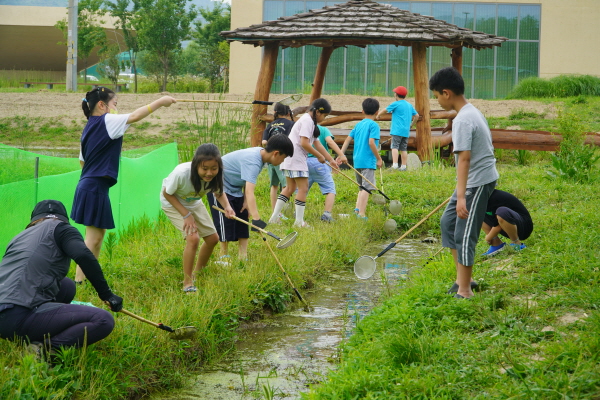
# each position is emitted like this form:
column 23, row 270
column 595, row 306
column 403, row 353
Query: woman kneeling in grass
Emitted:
column 181, row 200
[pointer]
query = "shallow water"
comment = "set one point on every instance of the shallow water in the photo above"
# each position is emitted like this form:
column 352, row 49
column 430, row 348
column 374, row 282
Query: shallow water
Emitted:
column 279, row 357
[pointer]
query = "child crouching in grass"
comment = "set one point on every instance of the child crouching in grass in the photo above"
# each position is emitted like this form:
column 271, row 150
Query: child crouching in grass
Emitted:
column 181, row 200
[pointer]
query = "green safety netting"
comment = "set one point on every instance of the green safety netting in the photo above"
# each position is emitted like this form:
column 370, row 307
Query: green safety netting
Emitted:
column 136, row 193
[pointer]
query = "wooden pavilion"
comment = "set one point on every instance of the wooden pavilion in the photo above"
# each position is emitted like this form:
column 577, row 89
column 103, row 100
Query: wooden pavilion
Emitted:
column 358, row 23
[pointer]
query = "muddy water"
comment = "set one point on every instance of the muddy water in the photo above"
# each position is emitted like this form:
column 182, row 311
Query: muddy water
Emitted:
column 281, row 356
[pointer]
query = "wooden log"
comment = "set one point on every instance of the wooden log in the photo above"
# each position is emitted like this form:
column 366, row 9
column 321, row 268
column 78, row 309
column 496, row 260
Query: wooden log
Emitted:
column 438, row 138
column 501, row 139
column 433, row 114
column 421, row 79
column 263, row 88
column 457, row 54
column 320, row 73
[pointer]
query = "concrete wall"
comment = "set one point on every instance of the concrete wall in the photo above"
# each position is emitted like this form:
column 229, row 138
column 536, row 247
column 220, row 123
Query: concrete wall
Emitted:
column 569, row 39
column 29, row 40
column 244, row 59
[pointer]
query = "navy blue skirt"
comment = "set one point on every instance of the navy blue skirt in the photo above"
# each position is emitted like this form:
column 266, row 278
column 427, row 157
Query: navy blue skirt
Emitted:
column 91, row 205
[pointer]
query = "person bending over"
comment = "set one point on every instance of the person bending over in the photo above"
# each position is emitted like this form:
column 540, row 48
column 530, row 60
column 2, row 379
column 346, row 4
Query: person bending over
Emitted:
column 35, row 293
column 506, row 216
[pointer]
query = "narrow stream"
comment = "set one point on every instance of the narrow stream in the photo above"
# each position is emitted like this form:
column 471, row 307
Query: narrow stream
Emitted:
column 279, row 357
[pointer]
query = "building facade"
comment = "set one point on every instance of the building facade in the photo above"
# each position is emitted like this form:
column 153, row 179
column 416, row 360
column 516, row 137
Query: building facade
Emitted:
column 546, row 38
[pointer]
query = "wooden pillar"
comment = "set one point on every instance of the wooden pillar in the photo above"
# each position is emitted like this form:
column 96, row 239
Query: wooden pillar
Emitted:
column 263, row 88
column 457, row 53
column 419, row 54
column 320, row 73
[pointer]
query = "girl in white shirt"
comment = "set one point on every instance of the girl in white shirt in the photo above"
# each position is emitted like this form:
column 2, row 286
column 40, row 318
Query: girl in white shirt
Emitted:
column 181, row 200
column 295, row 169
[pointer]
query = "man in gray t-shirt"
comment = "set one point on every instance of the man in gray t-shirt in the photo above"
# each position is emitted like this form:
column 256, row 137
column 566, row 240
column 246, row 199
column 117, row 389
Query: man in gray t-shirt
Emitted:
column 476, row 177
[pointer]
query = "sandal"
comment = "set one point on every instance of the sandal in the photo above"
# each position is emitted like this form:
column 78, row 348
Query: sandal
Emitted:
column 454, row 288
column 190, row 289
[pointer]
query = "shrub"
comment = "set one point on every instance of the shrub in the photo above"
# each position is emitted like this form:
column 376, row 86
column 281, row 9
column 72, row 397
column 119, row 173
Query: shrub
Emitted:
column 575, row 161
column 559, row 86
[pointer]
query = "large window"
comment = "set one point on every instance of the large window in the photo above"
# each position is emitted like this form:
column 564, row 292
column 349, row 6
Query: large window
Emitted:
column 376, row 69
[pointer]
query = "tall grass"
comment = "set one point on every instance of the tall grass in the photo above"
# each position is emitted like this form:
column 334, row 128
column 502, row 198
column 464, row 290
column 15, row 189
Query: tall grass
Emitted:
column 532, row 332
column 559, row 86
column 12, row 80
column 144, row 267
column 224, row 125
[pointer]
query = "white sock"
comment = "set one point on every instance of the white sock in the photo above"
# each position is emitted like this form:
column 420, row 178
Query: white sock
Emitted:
column 281, row 201
column 300, row 206
column 395, row 165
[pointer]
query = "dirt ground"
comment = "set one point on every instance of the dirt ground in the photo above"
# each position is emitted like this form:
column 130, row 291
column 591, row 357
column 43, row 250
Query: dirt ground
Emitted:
column 66, row 107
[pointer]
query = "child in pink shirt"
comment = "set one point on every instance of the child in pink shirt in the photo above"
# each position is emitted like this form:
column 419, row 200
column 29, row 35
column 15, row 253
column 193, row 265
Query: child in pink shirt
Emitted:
column 295, row 169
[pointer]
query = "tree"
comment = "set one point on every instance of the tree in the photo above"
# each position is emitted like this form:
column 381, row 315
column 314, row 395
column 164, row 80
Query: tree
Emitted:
column 153, row 67
column 213, row 48
column 161, row 25
column 125, row 14
column 89, row 32
column 110, row 65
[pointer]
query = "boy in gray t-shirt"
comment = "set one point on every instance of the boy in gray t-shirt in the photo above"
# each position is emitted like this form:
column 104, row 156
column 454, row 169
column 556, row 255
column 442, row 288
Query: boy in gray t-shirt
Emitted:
column 476, row 176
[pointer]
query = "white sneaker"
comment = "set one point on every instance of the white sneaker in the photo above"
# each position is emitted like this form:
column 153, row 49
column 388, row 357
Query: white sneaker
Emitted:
column 402, row 168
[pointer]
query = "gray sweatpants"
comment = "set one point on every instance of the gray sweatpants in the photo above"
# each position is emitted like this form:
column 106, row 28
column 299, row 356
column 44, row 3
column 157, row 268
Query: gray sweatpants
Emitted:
column 462, row 234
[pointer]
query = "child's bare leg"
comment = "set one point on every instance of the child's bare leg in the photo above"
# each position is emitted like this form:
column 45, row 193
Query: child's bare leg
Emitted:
column 395, row 157
column 243, row 249
column 404, row 157
column 509, row 229
column 329, row 200
column 463, row 277
column 206, row 251
column 224, row 249
column 273, row 194
column 361, row 203
column 189, row 255
column 496, row 241
column 93, row 240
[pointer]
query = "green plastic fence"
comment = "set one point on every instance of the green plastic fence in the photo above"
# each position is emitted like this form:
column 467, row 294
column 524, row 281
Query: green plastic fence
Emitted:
column 136, row 193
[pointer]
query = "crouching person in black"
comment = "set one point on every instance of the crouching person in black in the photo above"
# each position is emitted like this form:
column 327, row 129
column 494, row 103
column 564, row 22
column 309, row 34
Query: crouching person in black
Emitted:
column 507, row 216
column 35, row 293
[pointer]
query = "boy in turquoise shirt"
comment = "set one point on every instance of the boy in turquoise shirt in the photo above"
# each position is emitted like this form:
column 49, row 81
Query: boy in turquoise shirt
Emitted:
column 365, row 155
column 321, row 173
column 404, row 116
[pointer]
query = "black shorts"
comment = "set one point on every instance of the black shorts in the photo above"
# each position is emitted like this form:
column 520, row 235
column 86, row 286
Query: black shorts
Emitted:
column 229, row 230
column 524, row 225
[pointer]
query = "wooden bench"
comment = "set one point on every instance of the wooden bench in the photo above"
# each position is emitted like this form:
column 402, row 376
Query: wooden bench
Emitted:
column 50, row 85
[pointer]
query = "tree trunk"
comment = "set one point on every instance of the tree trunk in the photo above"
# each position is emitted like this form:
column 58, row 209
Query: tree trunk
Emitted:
column 164, row 80
column 134, row 68
column 419, row 53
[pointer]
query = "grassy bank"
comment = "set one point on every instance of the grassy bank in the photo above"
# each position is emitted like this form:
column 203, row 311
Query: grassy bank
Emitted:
column 533, row 332
column 144, row 267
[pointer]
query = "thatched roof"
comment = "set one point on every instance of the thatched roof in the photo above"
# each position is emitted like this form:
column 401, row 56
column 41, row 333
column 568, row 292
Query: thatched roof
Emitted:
column 359, row 23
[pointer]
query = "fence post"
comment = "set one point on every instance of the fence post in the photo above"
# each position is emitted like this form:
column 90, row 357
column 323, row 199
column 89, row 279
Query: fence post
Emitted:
column 36, row 181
